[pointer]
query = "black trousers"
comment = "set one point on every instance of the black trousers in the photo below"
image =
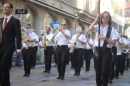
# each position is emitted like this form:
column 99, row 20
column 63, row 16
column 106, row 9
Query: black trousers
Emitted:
column 71, row 59
column 61, row 55
column 27, row 56
column 78, row 56
column 87, row 56
column 127, row 60
column 102, row 67
column 48, row 55
column 122, row 63
column 33, row 62
column 111, row 71
column 67, row 57
column 5, row 63
column 118, row 65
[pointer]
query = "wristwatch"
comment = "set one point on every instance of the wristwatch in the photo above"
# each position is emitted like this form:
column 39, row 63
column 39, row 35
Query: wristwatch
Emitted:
column 106, row 39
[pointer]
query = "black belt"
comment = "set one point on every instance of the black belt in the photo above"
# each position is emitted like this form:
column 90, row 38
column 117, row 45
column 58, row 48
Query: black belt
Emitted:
column 27, row 47
column 61, row 45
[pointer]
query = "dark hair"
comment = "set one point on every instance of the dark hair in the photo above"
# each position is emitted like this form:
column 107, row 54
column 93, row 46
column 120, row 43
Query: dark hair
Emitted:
column 109, row 22
column 11, row 5
column 28, row 25
column 88, row 34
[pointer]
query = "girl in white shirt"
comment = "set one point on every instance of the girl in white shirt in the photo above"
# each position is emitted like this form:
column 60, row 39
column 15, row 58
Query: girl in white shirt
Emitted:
column 102, row 61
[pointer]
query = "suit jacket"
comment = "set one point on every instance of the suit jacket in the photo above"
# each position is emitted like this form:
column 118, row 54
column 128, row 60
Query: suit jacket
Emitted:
column 11, row 31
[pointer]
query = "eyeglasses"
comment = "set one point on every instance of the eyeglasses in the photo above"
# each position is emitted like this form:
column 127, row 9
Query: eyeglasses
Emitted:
column 105, row 17
column 5, row 7
column 87, row 36
column 63, row 24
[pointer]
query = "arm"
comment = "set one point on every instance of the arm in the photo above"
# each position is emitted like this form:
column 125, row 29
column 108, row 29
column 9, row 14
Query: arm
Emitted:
column 81, row 41
column 91, row 45
column 66, row 36
column 91, row 27
column 17, row 27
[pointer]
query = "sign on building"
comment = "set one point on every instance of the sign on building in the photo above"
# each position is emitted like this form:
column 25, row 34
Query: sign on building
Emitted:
column 21, row 11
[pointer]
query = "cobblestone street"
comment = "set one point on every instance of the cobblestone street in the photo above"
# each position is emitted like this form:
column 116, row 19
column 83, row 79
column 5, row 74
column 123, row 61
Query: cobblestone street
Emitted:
column 38, row 78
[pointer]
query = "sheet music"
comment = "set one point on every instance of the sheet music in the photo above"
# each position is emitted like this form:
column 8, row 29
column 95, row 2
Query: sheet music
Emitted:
column 28, row 31
column 56, row 26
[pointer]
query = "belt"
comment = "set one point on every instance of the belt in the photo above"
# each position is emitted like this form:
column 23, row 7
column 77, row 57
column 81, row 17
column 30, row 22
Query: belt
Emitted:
column 27, row 47
column 88, row 49
column 61, row 45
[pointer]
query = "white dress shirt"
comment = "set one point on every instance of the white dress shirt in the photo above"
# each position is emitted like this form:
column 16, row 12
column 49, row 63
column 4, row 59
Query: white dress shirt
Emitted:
column 103, row 31
column 90, row 41
column 60, row 39
column 49, row 36
column 119, row 52
column 81, row 38
column 36, row 37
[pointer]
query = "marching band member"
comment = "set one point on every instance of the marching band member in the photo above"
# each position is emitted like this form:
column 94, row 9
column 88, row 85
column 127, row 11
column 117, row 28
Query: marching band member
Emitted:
column 78, row 41
column 35, row 48
column 118, row 56
column 123, row 46
column 88, row 51
column 48, row 50
column 28, row 49
column 103, row 59
column 114, row 50
column 61, row 39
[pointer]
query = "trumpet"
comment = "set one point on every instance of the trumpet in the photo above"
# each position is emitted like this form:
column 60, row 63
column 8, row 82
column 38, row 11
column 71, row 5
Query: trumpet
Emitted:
column 52, row 39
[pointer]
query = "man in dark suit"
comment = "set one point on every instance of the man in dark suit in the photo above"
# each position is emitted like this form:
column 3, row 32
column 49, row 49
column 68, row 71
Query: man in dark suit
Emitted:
column 10, row 29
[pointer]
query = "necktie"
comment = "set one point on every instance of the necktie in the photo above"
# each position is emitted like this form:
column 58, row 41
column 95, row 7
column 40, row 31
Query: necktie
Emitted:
column 5, row 23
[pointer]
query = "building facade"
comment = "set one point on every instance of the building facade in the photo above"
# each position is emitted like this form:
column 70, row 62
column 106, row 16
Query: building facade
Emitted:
column 42, row 12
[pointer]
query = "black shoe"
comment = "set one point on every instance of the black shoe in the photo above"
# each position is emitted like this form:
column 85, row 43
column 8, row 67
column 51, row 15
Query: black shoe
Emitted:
column 44, row 71
column 32, row 67
column 48, row 71
column 16, row 65
column 78, row 74
column 74, row 74
column 24, row 75
column 27, row 75
column 58, row 77
column 62, row 77
column 126, row 68
column 121, row 73
column 110, row 81
column 116, row 77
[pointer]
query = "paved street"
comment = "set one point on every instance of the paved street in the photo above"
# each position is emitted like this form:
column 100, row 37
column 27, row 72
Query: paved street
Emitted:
column 38, row 78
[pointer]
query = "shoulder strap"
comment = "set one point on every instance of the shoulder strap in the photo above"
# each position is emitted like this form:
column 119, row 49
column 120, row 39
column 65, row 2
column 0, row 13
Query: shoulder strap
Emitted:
column 108, row 35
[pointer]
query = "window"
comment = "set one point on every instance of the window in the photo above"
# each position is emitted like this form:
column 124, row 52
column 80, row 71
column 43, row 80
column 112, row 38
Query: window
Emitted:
column 69, row 2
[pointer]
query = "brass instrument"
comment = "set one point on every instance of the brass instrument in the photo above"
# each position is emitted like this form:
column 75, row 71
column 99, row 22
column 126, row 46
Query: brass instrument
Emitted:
column 52, row 39
column 74, row 44
column 26, row 36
